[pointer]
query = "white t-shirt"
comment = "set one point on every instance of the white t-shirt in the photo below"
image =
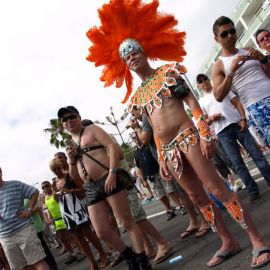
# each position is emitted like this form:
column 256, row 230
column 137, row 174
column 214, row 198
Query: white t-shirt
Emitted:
column 250, row 82
column 229, row 114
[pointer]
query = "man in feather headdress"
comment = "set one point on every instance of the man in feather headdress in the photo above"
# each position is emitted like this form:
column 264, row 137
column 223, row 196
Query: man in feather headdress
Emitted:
column 135, row 33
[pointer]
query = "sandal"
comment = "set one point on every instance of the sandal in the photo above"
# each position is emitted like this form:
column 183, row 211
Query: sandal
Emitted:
column 164, row 256
column 200, row 233
column 223, row 256
column 258, row 252
column 188, row 233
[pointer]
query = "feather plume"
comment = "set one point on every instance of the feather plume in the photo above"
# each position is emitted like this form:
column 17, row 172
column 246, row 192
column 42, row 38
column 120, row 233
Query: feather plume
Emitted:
column 122, row 19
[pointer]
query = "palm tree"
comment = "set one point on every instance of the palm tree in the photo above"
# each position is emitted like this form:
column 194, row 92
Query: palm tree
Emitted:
column 58, row 136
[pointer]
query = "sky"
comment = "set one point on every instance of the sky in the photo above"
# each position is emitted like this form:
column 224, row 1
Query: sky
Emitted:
column 42, row 68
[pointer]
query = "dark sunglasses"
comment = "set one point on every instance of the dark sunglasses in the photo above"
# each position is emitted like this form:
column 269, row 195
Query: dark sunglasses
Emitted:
column 70, row 117
column 224, row 34
column 45, row 186
column 202, row 80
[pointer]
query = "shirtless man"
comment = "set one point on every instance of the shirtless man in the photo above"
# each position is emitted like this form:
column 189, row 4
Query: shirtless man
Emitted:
column 102, row 187
column 139, row 32
column 185, row 155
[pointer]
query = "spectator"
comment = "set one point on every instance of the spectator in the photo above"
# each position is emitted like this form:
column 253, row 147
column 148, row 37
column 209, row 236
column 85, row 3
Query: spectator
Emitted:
column 263, row 39
column 98, row 170
column 16, row 226
column 230, row 124
column 37, row 216
column 243, row 72
column 74, row 213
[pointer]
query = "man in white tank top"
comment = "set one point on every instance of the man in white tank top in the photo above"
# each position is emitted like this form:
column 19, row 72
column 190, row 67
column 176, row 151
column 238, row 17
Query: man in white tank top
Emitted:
column 243, row 72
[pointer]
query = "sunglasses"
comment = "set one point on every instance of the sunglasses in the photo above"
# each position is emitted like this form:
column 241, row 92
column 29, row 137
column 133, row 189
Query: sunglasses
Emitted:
column 224, row 34
column 70, row 117
column 45, row 186
column 202, row 80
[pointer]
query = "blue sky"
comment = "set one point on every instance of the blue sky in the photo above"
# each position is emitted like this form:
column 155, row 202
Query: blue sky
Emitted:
column 42, row 50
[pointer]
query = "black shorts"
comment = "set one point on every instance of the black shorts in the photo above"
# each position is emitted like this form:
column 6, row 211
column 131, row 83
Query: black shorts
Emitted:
column 94, row 190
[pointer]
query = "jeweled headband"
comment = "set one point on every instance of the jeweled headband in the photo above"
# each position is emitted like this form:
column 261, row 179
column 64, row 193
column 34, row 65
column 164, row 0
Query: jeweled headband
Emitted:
column 127, row 46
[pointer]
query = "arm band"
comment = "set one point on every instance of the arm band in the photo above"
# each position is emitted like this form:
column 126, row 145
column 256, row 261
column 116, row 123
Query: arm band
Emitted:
column 158, row 145
column 202, row 125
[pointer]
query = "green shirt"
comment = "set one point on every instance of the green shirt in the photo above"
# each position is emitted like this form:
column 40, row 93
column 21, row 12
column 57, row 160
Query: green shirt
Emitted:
column 38, row 222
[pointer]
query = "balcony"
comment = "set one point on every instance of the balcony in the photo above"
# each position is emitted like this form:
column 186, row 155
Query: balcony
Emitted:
column 260, row 17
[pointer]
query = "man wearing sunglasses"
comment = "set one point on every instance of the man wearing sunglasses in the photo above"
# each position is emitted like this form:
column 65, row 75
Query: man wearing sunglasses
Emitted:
column 244, row 72
column 16, row 226
column 229, row 123
column 94, row 157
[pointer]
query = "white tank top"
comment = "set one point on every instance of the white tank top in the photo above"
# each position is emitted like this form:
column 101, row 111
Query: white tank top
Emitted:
column 250, row 83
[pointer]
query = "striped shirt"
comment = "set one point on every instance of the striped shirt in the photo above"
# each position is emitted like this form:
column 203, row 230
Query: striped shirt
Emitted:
column 12, row 195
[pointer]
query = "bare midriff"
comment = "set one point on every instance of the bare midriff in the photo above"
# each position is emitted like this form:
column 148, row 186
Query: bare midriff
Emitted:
column 94, row 170
column 170, row 119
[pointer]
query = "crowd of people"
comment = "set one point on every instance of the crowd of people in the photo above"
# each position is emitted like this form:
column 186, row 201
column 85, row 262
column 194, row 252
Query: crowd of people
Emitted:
column 179, row 158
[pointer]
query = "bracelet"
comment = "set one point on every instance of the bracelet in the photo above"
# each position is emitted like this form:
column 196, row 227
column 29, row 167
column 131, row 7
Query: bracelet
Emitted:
column 230, row 74
column 243, row 119
column 114, row 170
column 264, row 60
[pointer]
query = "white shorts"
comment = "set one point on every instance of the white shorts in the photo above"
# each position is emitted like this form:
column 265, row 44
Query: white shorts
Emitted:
column 23, row 248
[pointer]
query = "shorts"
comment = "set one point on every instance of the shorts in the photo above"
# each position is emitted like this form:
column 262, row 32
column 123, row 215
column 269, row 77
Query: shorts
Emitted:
column 23, row 248
column 259, row 114
column 59, row 224
column 94, row 190
column 135, row 205
column 161, row 187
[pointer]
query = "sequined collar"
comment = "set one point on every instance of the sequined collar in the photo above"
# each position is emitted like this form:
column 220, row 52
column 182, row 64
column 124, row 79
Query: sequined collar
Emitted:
column 149, row 95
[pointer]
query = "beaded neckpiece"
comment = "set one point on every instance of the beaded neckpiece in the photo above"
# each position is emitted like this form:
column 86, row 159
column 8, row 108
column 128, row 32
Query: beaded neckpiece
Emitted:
column 149, row 94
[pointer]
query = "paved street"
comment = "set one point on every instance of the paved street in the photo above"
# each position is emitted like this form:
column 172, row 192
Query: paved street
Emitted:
column 196, row 252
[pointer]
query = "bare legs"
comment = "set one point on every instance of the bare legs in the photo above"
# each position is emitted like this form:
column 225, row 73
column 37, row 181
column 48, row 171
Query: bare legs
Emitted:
column 92, row 237
column 200, row 166
column 99, row 214
column 149, row 230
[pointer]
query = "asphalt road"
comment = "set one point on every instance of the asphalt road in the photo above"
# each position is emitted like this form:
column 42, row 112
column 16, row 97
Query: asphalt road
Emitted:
column 196, row 252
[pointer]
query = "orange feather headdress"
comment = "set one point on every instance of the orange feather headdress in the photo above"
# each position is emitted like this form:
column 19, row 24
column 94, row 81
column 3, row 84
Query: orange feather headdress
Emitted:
column 123, row 19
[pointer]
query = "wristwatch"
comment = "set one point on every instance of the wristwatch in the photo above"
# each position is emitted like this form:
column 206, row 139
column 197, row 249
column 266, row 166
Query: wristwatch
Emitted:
column 114, row 170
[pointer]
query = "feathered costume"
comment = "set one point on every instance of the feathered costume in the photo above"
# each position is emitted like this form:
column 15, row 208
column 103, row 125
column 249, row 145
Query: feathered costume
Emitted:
column 131, row 25
column 123, row 19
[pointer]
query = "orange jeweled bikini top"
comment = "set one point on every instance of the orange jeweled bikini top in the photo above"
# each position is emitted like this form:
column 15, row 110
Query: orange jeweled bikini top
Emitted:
column 149, row 95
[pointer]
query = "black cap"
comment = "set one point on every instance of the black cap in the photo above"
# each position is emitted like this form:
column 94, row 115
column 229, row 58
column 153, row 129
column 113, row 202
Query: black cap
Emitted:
column 201, row 76
column 67, row 109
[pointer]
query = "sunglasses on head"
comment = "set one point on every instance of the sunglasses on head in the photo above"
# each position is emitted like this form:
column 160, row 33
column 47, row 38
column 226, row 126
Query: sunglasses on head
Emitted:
column 45, row 186
column 70, row 117
column 202, row 80
column 231, row 31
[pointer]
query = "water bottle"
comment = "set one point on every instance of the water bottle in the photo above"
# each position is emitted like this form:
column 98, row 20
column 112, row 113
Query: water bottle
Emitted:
column 176, row 259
